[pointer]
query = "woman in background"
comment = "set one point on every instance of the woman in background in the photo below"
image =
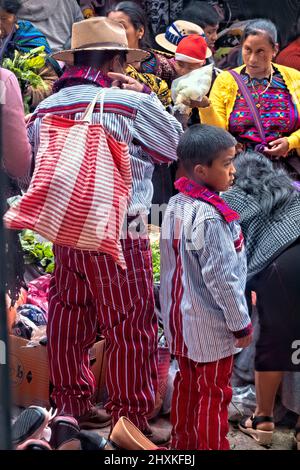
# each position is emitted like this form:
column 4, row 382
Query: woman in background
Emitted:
column 271, row 123
column 269, row 207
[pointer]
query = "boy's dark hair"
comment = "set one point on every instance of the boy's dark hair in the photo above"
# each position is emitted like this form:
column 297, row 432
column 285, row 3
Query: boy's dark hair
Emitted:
column 201, row 144
column 201, row 14
column 256, row 27
column 10, row 6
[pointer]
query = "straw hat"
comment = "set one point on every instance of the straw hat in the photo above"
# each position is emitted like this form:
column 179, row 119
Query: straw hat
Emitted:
column 99, row 34
column 175, row 32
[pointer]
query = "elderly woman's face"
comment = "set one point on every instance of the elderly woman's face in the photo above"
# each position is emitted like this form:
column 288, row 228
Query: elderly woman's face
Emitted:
column 258, row 54
column 7, row 21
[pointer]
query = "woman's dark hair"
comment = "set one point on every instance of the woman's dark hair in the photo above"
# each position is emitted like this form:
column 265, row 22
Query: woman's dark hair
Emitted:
column 271, row 187
column 201, row 144
column 137, row 17
column 256, row 27
column 11, row 6
column 201, row 14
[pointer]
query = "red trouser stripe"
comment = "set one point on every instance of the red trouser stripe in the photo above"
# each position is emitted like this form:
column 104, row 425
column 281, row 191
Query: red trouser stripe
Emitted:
column 88, row 288
column 199, row 415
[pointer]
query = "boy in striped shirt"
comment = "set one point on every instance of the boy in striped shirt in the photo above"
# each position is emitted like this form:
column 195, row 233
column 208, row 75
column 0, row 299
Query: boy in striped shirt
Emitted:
column 203, row 276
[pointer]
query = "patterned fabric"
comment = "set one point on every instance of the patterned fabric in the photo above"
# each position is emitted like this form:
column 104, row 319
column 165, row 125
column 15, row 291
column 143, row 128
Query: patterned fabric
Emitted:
column 265, row 237
column 27, row 37
column 203, row 280
column 278, row 113
column 199, row 412
column 83, row 74
column 156, row 84
column 162, row 13
column 137, row 119
column 190, row 188
column 163, row 66
column 87, row 291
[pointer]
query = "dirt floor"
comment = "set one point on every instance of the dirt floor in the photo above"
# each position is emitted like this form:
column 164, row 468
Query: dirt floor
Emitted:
column 282, row 438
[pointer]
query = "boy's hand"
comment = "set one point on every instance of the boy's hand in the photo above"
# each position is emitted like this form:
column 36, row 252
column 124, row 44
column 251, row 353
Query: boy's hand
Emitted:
column 244, row 342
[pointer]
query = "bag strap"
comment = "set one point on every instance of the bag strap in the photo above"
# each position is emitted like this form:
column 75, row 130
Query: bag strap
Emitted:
column 250, row 102
column 90, row 109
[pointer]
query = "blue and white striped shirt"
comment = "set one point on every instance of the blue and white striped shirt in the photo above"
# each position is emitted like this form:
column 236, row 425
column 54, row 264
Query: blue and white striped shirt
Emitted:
column 138, row 119
column 203, row 281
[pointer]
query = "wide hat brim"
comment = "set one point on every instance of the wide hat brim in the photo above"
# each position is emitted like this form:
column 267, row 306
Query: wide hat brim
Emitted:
column 133, row 55
column 163, row 42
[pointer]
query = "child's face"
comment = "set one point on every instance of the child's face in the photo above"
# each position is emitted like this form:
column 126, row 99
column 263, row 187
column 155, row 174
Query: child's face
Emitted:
column 220, row 175
column 182, row 68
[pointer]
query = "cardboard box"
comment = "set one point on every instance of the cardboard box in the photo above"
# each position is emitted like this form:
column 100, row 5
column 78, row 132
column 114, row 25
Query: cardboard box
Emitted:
column 29, row 372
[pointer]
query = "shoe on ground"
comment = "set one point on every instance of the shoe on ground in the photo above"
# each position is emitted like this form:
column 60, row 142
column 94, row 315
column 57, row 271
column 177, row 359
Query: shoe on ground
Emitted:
column 95, row 418
column 32, row 423
column 34, row 444
column 64, row 429
column 159, row 437
column 264, row 438
column 125, row 435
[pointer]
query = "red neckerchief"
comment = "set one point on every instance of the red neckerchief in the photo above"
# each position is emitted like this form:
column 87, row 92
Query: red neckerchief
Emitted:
column 79, row 75
column 196, row 191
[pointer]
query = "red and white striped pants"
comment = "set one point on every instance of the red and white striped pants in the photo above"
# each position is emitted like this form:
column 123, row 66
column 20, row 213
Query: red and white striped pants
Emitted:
column 89, row 289
column 201, row 397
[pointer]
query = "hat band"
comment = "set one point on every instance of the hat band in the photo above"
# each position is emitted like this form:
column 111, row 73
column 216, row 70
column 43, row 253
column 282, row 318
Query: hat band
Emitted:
column 188, row 59
column 171, row 37
column 102, row 44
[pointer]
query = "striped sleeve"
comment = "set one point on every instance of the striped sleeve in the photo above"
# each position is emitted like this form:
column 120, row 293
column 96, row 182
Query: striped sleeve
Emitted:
column 219, row 261
column 156, row 131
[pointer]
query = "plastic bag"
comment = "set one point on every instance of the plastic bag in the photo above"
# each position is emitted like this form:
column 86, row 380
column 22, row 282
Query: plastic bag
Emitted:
column 166, row 406
column 192, row 86
column 243, row 402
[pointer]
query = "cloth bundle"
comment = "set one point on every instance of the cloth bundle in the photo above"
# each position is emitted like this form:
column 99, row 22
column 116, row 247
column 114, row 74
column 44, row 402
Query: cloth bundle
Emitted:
column 191, row 87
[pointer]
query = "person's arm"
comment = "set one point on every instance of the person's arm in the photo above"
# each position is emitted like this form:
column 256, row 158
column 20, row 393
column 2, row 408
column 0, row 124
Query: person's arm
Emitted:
column 219, row 263
column 215, row 114
column 155, row 130
column 16, row 148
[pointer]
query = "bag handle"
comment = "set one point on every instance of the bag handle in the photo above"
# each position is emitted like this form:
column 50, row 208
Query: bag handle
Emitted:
column 90, row 109
column 250, row 102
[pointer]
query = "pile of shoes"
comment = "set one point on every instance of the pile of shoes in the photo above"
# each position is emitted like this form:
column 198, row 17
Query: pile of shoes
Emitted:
column 39, row 429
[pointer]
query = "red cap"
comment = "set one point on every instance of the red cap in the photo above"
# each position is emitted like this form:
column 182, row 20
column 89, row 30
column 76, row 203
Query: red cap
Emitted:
column 192, row 47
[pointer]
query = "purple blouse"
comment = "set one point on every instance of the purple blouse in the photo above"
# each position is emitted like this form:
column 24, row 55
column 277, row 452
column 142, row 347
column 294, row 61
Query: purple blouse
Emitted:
column 278, row 113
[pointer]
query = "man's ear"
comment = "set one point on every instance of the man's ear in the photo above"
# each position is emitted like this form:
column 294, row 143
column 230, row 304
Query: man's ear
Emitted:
column 200, row 171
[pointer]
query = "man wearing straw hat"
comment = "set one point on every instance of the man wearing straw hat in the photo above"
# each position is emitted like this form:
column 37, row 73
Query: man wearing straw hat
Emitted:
column 87, row 287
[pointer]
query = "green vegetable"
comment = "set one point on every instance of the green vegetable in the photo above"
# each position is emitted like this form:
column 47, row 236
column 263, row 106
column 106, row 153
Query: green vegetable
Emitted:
column 37, row 251
column 26, row 67
column 156, row 260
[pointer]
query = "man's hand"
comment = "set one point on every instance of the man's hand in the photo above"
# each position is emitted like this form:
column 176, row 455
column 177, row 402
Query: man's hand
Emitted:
column 244, row 342
column 121, row 80
column 279, row 147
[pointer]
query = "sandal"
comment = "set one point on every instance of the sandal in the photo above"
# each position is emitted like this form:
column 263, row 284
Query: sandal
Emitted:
column 263, row 438
column 297, row 437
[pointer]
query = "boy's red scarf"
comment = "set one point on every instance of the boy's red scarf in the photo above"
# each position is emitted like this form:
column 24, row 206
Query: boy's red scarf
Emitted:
column 196, row 191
